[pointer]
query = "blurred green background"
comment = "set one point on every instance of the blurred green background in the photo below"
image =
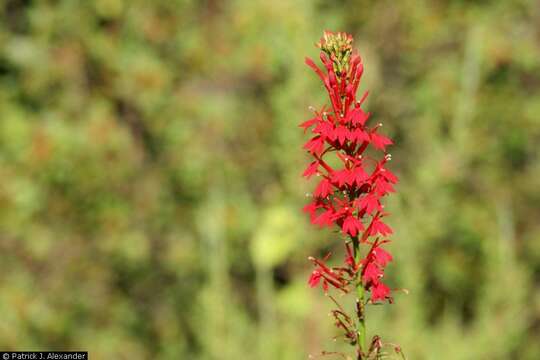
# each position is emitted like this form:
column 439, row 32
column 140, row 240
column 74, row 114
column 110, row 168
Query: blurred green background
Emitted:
column 150, row 188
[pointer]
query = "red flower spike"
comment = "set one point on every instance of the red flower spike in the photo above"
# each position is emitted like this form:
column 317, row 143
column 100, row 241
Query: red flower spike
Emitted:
column 347, row 196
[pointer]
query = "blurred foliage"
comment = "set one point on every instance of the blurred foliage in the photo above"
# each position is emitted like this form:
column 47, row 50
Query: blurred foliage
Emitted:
column 150, row 188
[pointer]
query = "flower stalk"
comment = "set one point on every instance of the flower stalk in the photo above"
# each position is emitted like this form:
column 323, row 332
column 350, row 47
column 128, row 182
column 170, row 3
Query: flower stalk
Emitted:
column 348, row 195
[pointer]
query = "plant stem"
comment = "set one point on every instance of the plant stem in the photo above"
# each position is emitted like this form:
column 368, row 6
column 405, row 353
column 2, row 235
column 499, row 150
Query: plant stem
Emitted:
column 360, row 304
column 360, row 310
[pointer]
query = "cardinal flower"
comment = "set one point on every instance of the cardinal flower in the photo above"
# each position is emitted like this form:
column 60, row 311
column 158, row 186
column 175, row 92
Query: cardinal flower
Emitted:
column 349, row 194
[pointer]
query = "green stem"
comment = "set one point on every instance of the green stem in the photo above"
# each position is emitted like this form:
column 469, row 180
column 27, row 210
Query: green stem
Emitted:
column 361, row 317
column 360, row 303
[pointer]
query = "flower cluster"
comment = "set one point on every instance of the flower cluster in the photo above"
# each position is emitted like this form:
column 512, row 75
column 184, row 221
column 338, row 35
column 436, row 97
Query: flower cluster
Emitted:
column 352, row 179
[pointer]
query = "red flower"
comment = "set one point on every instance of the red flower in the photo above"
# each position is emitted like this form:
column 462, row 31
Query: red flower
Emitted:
column 357, row 117
column 352, row 226
column 381, row 256
column 307, row 124
column 324, row 219
column 371, row 273
column 342, row 177
column 360, row 175
column 323, row 189
column 379, row 291
column 383, row 187
column 326, row 130
column 379, row 141
column 315, row 278
column 369, row 203
column 378, row 227
column 311, row 169
column 311, row 209
column 342, row 134
column 315, row 145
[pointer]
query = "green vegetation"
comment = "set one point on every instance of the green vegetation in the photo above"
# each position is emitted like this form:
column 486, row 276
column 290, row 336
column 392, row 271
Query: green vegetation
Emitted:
column 150, row 189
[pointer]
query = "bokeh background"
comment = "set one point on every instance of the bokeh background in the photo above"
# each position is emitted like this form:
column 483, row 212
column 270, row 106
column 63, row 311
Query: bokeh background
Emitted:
column 150, row 188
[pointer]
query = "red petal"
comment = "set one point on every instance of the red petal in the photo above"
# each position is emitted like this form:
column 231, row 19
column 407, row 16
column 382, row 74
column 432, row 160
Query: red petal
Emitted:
column 361, row 135
column 309, row 123
column 371, row 273
column 311, row 169
column 342, row 134
column 352, row 226
column 315, row 278
column 315, row 145
column 382, row 257
column 315, row 68
column 378, row 227
column 379, row 141
column 357, row 116
column 324, row 219
column 379, row 291
column 323, row 189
